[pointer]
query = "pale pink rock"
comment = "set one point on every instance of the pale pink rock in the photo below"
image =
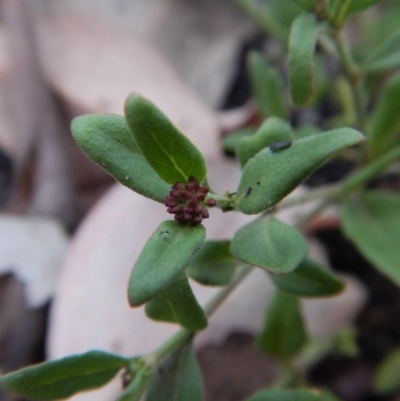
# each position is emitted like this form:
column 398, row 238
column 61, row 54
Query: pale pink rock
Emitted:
column 94, row 65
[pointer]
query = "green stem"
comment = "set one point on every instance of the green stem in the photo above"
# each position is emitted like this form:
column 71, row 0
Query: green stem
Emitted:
column 184, row 335
column 331, row 192
column 366, row 174
column 174, row 342
column 220, row 297
column 314, row 213
column 354, row 75
column 223, row 202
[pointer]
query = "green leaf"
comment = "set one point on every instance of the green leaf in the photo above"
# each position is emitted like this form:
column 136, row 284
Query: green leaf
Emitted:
column 306, row 4
column 386, row 117
column 269, row 176
column 167, row 253
column 303, row 38
column 338, row 10
column 63, row 378
column 270, row 244
column 283, row 12
column 230, row 142
column 272, row 130
column 283, row 334
column 106, row 139
column 358, row 5
column 178, row 378
column 173, row 157
column 372, row 222
column 214, row 264
column 306, row 130
column 345, row 343
column 177, row 304
column 387, row 56
column 267, row 86
column 309, row 280
column 137, row 386
column 326, row 395
column 387, row 376
column 286, row 395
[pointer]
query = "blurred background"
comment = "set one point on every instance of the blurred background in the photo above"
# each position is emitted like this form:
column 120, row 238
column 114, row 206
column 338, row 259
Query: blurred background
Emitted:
column 69, row 235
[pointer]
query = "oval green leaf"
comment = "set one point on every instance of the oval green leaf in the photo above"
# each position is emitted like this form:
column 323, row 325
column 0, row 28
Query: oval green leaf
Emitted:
column 385, row 119
column 310, row 279
column 269, row 176
column 167, row 253
column 214, row 265
column 372, row 222
column 387, row 376
column 178, row 378
column 386, row 57
column 286, row 395
column 106, row 139
column 283, row 334
column 267, row 86
column 303, row 38
column 270, row 244
column 173, row 157
column 177, row 304
column 63, row 378
column 272, row 130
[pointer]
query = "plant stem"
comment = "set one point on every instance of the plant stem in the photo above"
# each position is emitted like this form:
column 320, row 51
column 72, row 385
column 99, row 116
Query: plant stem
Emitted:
column 184, row 335
column 175, row 341
column 329, row 191
column 220, row 297
column 354, row 75
column 315, row 212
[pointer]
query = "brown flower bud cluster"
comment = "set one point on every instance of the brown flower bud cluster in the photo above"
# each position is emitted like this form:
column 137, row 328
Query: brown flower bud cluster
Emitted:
column 188, row 202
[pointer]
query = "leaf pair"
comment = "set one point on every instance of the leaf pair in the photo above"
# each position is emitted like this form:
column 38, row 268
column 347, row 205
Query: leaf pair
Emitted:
column 144, row 152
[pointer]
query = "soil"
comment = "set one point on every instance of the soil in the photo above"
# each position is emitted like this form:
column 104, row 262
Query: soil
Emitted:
column 236, row 369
